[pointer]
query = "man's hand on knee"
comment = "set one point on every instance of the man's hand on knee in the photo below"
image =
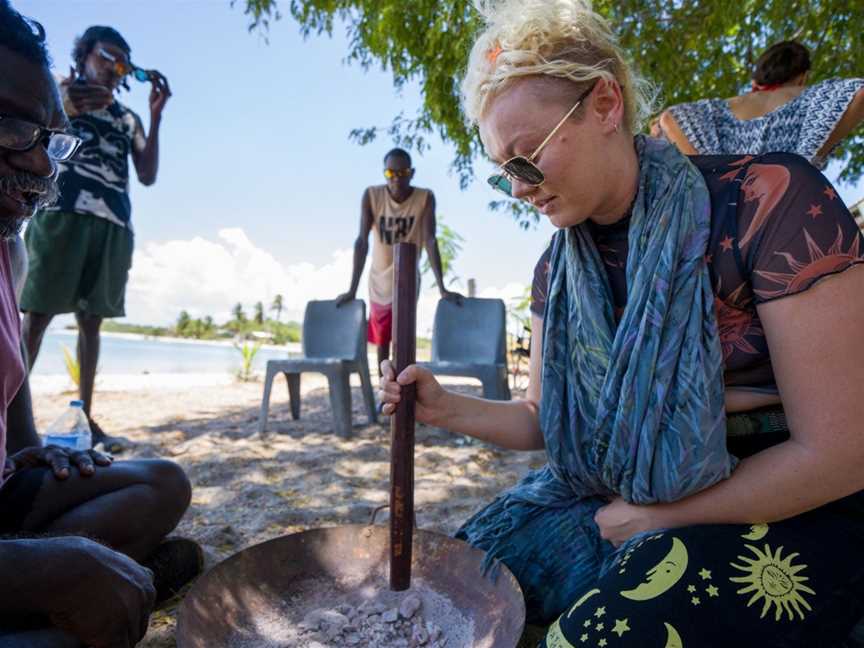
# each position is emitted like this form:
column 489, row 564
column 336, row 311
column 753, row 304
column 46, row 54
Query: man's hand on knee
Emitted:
column 60, row 460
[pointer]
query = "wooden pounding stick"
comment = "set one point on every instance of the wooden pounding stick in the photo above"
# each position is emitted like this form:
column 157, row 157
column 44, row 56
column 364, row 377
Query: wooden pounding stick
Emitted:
column 402, row 421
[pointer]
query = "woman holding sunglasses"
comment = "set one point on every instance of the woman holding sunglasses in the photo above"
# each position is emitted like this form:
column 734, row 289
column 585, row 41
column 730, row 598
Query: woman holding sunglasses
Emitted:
column 81, row 248
column 701, row 408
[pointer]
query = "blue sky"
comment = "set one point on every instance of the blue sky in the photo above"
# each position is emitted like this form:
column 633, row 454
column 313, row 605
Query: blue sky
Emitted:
column 259, row 187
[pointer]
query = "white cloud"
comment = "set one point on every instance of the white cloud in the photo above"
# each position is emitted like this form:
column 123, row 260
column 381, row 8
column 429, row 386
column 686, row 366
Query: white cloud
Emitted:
column 207, row 277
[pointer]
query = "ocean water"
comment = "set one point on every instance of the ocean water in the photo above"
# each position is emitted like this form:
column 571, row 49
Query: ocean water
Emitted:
column 128, row 355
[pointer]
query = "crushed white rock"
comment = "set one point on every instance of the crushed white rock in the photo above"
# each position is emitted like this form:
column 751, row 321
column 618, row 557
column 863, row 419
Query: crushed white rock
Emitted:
column 373, row 624
column 317, row 615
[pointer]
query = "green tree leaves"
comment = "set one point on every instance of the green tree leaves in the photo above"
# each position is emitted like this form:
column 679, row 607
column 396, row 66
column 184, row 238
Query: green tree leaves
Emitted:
column 690, row 50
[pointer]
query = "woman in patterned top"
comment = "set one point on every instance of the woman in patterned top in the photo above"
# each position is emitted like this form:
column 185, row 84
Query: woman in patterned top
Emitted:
column 777, row 228
column 679, row 291
column 781, row 113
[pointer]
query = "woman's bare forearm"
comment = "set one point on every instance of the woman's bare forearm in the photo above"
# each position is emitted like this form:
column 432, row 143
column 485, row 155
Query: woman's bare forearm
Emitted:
column 510, row 424
column 778, row 483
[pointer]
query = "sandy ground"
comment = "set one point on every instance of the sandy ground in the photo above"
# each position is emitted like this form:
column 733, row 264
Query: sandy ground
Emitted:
column 248, row 489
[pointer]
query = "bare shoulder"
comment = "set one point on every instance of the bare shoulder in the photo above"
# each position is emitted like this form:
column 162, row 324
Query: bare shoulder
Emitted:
column 856, row 107
column 674, row 133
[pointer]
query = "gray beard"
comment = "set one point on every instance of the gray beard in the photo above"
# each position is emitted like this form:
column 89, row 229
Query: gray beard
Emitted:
column 45, row 188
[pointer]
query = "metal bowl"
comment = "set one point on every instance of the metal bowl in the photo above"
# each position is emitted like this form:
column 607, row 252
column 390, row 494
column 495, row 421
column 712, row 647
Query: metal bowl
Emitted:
column 226, row 601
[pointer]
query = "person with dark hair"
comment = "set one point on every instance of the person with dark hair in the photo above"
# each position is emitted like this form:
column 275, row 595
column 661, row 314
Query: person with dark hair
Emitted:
column 396, row 212
column 83, row 554
column 23, row 36
column 81, row 248
column 781, row 113
column 781, row 63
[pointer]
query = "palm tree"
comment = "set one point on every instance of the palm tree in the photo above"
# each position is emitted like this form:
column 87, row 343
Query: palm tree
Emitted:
column 259, row 313
column 183, row 322
column 449, row 246
column 277, row 306
column 239, row 315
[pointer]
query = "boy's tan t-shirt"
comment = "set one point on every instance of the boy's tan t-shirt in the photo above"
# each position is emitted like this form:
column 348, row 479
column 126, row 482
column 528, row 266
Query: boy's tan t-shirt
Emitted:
column 392, row 223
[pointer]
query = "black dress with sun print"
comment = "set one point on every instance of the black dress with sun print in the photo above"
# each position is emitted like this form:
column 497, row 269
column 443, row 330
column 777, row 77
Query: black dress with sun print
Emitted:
column 777, row 228
column 798, row 583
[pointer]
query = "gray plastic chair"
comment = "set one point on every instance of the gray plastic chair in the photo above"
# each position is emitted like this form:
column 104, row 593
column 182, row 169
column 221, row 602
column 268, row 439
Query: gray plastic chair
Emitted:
column 470, row 340
column 334, row 344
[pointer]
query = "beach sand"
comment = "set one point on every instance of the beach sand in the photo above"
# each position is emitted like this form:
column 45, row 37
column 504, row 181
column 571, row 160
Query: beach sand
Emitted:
column 300, row 476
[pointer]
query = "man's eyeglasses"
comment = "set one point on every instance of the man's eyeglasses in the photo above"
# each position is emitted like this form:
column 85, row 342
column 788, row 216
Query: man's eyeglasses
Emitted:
column 523, row 169
column 20, row 135
column 122, row 68
column 400, row 173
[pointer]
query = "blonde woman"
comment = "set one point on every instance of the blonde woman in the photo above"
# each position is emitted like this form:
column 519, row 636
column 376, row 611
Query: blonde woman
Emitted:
column 680, row 291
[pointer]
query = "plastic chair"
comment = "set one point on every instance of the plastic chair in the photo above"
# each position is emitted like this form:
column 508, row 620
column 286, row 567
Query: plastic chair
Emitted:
column 470, row 340
column 334, row 344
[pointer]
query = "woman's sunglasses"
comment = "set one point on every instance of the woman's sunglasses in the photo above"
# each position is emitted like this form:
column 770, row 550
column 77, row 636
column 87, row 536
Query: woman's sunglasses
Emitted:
column 122, row 68
column 19, row 135
column 523, row 169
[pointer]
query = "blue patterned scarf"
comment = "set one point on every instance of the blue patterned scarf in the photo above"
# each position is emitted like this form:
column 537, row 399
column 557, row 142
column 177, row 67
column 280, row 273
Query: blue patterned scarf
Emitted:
column 636, row 409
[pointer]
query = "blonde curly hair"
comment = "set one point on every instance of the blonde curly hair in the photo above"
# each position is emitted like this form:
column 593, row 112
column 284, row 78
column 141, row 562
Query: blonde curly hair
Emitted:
column 563, row 39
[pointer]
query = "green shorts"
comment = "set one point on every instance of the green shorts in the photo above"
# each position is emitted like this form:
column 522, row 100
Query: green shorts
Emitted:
column 78, row 263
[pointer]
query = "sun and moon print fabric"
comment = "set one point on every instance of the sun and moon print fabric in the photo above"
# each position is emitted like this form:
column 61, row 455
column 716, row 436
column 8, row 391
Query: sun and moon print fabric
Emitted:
column 724, row 586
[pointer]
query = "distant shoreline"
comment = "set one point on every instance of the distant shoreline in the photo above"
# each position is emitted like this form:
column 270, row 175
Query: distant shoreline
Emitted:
column 291, row 347
column 51, row 385
column 55, row 384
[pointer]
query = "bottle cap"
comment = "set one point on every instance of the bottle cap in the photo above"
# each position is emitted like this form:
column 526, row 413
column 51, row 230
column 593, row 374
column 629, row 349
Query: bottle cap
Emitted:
column 76, row 403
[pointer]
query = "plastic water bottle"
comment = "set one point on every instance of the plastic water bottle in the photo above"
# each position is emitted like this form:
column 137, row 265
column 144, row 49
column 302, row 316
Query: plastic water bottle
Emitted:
column 71, row 430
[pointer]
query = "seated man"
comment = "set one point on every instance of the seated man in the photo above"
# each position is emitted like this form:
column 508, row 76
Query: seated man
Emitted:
column 60, row 588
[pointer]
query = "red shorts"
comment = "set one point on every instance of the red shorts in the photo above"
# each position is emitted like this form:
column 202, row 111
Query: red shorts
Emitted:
column 380, row 324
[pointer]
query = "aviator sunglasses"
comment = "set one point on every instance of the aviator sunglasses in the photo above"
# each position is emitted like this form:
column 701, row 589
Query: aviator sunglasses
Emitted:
column 122, row 68
column 522, row 168
column 19, row 135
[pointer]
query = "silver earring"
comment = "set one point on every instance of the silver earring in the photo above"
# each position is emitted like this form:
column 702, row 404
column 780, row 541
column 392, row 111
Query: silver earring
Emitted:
column 617, row 127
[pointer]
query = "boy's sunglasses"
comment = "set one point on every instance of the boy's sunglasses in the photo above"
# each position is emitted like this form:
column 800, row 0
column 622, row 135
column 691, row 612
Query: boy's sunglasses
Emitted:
column 122, row 68
column 523, row 169
column 19, row 135
column 401, row 173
